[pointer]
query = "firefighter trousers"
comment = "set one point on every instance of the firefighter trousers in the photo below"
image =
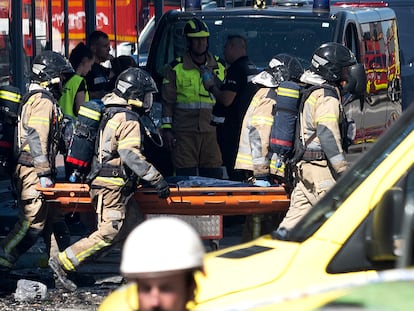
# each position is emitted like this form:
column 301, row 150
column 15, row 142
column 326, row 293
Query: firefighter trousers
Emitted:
column 117, row 214
column 313, row 180
column 33, row 216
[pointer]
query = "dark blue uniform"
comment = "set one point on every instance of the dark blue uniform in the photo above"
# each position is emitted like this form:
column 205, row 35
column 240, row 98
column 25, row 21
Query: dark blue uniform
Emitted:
column 237, row 80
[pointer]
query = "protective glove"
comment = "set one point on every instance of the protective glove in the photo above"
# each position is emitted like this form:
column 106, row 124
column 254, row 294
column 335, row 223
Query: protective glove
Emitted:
column 46, row 182
column 163, row 189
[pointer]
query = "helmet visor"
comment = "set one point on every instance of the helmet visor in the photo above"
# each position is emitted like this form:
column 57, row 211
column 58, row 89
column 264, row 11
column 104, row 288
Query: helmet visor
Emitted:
column 145, row 104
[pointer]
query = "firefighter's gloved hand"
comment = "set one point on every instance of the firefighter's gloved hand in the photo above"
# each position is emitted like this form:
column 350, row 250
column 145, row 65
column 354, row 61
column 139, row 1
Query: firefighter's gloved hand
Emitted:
column 163, row 189
column 46, row 182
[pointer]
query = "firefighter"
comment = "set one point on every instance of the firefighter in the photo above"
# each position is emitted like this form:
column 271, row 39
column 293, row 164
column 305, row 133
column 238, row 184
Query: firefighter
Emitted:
column 323, row 159
column 38, row 136
column 188, row 107
column 160, row 257
column 253, row 154
column 116, row 168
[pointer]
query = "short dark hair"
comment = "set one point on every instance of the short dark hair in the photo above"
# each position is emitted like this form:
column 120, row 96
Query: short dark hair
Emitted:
column 237, row 39
column 95, row 35
column 79, row 52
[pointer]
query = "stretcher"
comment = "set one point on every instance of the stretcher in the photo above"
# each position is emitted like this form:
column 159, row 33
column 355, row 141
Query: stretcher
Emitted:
column 206, row 205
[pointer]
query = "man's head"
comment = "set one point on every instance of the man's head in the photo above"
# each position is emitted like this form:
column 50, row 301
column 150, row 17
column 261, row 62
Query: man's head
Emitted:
column 197, row 34
column 49, row 70
column 234, row 48
column 100, row 45
column 81, row 59
column 161, row 255
column 136, row 86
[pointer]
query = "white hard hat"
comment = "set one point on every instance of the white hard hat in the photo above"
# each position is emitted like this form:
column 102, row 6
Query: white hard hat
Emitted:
column 161, row 246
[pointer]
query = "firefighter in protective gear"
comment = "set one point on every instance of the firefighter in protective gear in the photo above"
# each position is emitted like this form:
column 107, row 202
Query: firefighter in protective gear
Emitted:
column 38, row 135
column 160, row 257
column 187, row 107
column 116, row 170
column 323, row 159
column 253, row 154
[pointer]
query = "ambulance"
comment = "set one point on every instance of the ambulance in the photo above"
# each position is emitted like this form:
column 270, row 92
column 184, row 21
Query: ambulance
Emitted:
column 363, row 226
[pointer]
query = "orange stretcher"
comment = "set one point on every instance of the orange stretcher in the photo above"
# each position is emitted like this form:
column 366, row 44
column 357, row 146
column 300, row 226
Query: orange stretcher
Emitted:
column 202, row 207
column 223, row 201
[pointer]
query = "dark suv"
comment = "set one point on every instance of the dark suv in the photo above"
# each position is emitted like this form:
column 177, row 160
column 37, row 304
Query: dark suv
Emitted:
column 295, row 28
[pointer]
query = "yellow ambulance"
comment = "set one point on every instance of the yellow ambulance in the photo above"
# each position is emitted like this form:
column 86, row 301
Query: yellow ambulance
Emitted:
column 354, row 232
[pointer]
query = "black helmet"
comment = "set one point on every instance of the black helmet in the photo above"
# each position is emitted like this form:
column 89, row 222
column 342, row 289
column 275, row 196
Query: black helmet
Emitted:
column 329, row 59
column 356, row 79
column 49, row 66
column 284, row 67
column 136, row 86
column 196, row 29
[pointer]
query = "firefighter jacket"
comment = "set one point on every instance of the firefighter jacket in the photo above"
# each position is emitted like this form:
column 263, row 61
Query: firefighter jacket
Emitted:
column 39, row 131
column 118, row 154
column 67, row 101
column 187, row 104
column 319, row 129
column 254, row 137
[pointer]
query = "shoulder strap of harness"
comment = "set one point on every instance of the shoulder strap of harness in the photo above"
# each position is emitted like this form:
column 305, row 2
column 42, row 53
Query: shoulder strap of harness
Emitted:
column 58, row 116
column 306, row 91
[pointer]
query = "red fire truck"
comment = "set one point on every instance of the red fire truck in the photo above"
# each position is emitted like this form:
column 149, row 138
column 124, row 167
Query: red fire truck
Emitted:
column 120, row 19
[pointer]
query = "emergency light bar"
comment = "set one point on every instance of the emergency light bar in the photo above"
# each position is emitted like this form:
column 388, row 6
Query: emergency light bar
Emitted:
column 321, row 6
column 359, row 4
column 192, row 5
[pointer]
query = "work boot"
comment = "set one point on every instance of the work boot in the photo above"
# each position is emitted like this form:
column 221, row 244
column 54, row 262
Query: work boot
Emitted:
column 60, row 274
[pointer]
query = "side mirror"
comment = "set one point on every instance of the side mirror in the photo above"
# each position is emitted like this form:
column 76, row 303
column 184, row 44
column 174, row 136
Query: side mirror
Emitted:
column 407, row 248
column 384, row 231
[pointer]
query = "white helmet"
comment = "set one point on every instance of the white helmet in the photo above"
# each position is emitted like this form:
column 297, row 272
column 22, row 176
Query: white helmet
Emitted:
column 161, row 246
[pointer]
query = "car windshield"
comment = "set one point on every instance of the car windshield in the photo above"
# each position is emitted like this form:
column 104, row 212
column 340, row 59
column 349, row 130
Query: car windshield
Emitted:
column 354, row 177
column 266, row 36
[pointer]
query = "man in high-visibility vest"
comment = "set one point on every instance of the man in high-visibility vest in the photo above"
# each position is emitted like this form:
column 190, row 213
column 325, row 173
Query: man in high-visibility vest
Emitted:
column 187, row 106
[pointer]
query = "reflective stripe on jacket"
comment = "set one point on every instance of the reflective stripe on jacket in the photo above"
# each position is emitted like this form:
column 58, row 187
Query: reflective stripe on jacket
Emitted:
column 321, row 115
column 39, row 131
column 254, row 138
column 120, row 146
